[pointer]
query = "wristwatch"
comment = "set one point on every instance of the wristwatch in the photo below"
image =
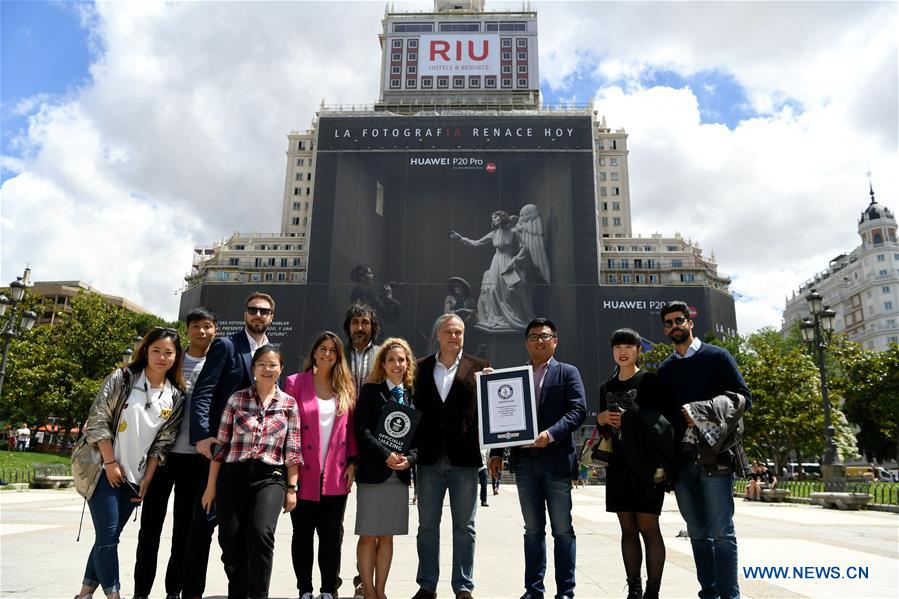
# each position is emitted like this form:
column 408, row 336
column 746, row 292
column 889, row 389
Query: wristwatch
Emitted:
column 294, row 487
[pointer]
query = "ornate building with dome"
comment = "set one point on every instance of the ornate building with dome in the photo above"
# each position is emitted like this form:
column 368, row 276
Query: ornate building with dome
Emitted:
column 862, row 286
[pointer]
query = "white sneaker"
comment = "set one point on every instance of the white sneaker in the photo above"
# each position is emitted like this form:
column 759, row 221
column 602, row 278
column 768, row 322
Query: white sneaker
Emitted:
column 307, row 596
column 326, row 596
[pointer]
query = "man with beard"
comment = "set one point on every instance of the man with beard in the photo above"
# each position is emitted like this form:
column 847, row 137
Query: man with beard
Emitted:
column 698, row 372
column 361, row 325
column 227, row 369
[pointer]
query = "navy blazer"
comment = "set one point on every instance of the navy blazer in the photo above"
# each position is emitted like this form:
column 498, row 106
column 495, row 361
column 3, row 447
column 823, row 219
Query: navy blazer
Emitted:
column 561, row 410
column 372, row 467
column 226, row 370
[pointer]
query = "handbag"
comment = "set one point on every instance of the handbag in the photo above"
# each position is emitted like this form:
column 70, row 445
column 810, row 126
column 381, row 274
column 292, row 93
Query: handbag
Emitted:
column 597, row 450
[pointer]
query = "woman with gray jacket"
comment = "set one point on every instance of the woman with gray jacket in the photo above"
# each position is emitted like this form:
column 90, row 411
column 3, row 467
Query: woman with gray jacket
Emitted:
column 130, row 427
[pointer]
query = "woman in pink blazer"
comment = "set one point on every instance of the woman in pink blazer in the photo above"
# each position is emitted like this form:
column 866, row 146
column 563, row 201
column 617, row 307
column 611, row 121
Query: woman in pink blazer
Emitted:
column 325, row 394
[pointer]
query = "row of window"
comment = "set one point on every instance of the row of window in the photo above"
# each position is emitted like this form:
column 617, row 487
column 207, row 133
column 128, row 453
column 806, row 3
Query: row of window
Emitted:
column 299, row 191
column 269, row 277
column 505, row 42
column 882, row 258
column 616, row 207
column 650, row 263
column 609, row 191
column 302, row 161
column 278, row 262
column 612, row 176
column 607, row 144
column 640, row 279
column 612, row 161
column 616, row 221
column 302, row 146
column 295, row 221
column 276, row 247
column 460, row 26
column 300, row 206
column 413, row 57
column 474, row 82
column 299, row 177
column 412, row 69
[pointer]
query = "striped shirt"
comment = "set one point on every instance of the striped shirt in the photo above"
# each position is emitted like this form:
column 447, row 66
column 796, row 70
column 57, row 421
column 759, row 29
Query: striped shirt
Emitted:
column 361, row 362
column 249, row 431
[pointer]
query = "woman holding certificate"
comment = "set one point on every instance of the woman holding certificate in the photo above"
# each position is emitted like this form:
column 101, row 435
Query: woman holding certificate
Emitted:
column 383, row 476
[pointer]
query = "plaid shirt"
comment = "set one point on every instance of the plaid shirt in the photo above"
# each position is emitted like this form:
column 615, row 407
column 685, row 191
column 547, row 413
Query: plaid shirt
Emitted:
column 250, row 432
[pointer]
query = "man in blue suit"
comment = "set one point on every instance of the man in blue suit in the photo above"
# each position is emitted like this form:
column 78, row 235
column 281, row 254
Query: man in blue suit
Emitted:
column 544, row 470
column 227, row 369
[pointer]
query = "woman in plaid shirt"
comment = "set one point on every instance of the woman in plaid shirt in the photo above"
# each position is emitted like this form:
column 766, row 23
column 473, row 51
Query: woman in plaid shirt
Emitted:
column 259, row 438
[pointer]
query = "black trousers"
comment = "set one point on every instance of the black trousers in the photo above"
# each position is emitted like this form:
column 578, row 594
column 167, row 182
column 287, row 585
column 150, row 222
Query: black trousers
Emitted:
column 324, row 517
column 191, row 530
column 249, row 499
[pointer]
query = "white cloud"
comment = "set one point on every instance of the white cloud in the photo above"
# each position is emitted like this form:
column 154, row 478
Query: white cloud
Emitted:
column 179, row 136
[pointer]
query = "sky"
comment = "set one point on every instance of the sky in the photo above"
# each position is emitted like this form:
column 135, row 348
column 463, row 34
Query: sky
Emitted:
column 131, row 132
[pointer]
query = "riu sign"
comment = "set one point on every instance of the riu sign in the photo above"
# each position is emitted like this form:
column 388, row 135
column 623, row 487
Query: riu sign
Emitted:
column 443, row 54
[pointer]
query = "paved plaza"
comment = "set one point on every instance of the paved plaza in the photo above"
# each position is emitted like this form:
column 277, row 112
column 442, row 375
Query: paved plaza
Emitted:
column 40, row 557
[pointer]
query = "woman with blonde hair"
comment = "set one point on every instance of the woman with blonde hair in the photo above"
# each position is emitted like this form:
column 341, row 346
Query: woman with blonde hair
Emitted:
column 383, row 476
column 325, row 394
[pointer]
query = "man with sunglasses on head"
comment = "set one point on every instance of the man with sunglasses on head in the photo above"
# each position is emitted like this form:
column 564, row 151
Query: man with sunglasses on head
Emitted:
column 698, row 372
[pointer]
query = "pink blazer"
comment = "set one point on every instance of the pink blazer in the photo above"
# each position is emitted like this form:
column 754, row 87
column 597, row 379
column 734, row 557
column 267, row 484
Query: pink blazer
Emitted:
column 341, row 449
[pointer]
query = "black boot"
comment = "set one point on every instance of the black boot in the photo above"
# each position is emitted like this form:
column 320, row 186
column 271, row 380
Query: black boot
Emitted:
column 652, row 589
column 634, row 588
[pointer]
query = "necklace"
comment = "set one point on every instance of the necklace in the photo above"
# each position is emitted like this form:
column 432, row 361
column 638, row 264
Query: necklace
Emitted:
column 150, row 399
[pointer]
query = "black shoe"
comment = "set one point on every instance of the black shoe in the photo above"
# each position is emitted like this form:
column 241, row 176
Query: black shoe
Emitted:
column 424, row 594
column 652, row 589
column 634, row 588
column 485, row 504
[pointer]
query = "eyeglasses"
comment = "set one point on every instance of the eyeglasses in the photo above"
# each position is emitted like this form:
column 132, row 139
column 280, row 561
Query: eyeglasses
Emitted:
column 268, row 365
column 253, row 311
column 677, row 321
column 534, row 337
column 167, row 331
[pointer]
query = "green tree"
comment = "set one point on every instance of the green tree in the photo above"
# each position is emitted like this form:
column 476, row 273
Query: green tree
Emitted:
column 57, row 370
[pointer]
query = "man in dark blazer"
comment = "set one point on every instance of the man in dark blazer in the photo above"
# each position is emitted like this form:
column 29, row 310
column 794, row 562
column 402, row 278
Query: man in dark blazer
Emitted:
column 544, row 470
column 227, row 369
column 449, row 457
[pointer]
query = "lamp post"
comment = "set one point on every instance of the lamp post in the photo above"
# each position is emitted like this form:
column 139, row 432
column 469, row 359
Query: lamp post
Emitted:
column 10, row 331
column 816, row 332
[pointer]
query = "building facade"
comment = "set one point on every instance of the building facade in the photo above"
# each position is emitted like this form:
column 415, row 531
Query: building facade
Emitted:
column 56, row 295
column 861, row 286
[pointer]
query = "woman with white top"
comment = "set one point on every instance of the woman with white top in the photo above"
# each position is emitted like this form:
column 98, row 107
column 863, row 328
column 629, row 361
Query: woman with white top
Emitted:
column 325, row 394
column 132, row 423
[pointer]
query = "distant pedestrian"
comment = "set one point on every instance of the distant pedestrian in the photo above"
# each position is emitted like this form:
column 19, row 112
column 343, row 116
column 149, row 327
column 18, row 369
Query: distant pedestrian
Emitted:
column 23, row 436
column 130, row 428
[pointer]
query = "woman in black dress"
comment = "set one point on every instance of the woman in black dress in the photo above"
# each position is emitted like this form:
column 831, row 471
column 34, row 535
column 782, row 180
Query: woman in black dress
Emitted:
column 636, row 478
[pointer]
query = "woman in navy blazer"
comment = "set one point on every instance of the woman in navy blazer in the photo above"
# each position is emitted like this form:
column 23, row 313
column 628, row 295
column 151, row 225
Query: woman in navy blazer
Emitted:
column 383, row 477
column 325, row 395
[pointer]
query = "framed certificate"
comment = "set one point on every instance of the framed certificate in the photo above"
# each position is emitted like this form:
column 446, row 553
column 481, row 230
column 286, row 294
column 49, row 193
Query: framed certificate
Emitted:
column 507, row 409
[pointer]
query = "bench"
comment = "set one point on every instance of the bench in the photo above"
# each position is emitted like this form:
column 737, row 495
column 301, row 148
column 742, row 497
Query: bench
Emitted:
column 775, row 495
column 52, row 482
column 841, row 501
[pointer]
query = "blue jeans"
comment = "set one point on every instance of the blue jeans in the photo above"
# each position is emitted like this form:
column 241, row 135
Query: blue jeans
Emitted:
column 540, row 492
column 707, row 504
column 432, row 482
column 110, row 509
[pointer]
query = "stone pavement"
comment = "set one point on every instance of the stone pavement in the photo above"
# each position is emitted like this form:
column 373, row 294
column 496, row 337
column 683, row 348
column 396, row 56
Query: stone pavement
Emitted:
column 40, row 558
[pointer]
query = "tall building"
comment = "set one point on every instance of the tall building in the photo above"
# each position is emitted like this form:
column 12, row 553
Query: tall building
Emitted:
column 861, row 286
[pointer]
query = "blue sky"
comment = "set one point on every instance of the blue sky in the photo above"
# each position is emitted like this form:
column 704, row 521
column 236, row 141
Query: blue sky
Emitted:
column 44, row 50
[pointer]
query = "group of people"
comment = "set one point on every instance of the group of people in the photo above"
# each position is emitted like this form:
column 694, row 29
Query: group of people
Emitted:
column 239, row 443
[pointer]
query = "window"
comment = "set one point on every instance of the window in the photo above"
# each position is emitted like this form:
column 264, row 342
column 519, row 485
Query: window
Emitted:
column 427, row 82
column 522, row 83
column 295, row 221
column 296, row 261
column 522, row 68
column 891, row 322
column 412, row 56
column 296, row 206
column 396, row 57
column 612, row 278
column 614, row 176
column 507, row 68
column 474, row 81
column 602, row 175
column 625, row 263
column 296, row 191
column 639, row 278
column 269, row 276
column 616, row 221
column 308, row 191
column 233, row 261
column 309, row 176
column 613, row 161
column 687, row 277
column 240, row 247
column 521, row 42
column 395, row 83
column 522, row 55
column 271, row 262
column 616, row 191
column 257, row 262
column 282, row 276
column 653, row 279
column 490, row 81
column 458, row 82
column 599, row 146
column 893, row 339
column 284, row 262
column 460, row 27
column 412, row 27
column 603, row 191
column 602, row 159
column 410, row 70
column 412, row 43
column 442, row 82
column 507, row 26
column 881, row 257
column 396, row 70
column 887, row 305
column 507, row 82
column 672, row 248
column 676, row 263
column 605, row 221
column 651, row 263
column 638, row 263
column 625, row 278
column 896, row 257
column 612, row 263
column 507, row 56
column 298, row 177
column 882, row 273
column 301, row 161
column 507, row 43
column 398, row 43
column 616, row 206
column 605, row 205
column 885, row 289
column 613, row 144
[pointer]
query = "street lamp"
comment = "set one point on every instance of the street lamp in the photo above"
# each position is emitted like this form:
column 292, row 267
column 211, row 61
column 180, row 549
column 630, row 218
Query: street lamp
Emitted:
column 10, row 331
column 816, row 332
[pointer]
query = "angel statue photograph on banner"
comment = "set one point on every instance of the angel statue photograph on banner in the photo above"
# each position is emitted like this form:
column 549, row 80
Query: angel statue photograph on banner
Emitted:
column 505, row 300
